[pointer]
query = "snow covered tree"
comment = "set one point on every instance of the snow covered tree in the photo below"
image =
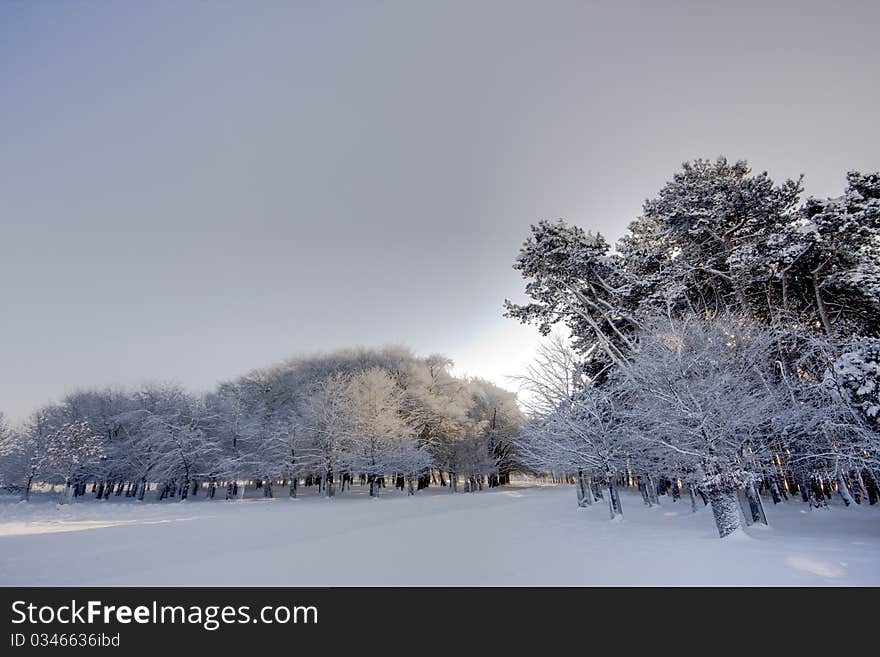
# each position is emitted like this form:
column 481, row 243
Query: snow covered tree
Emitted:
column 326, row 421
column 828, row 433
column 497, row 418
column 708, row 219
column 718, row 242
column 703, row 394
column 71, row 450
column 383, row 440
column 575, row 279
column 574, row 425
column 841, row 246
column 11, row 457
column 28, row 457
column 857, row 371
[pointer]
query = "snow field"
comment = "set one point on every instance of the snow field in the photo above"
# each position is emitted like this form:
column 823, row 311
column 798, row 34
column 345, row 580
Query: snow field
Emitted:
column 515, row 535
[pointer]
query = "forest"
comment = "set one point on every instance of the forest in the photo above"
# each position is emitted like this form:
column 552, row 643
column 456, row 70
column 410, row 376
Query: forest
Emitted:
column 725, row 351
column 380, row 417
column 728, row 346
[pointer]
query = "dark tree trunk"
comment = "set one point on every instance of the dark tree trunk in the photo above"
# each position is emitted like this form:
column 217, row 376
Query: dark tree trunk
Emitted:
column 725, row 508
column 614, row 505
column 804, row 488
column 703, row 497
column 643, row 489
column 843, row 490
column 756, row 506
column 651, row 486
column 871, row 487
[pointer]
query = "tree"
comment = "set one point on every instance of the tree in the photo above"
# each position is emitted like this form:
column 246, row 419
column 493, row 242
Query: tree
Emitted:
column 574, row 278
column 71, row 450
column 840, row 240
column 857, row 373
column 708, row 220
column 11, row 457
column 326, row 421
column 383, row 439
column 703, row 394
column 717, row 244
column 574, row 427
column 28, row 456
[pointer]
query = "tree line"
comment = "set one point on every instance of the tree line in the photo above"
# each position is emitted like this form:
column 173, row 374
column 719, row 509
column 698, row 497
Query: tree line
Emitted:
column 371, row 416
column 727, row 346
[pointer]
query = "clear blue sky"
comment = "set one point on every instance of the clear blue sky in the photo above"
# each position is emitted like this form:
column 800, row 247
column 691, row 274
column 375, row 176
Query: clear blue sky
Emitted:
column 190, row 190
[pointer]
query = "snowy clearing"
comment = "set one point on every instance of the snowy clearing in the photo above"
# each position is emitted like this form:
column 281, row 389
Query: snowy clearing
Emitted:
column 516, row 535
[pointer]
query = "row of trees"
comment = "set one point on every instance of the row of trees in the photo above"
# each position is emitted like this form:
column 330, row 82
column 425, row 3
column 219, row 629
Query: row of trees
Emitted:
column 323, row 421
column 728, row 345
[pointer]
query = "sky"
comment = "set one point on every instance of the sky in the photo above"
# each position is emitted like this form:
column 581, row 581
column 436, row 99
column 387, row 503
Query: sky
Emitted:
column 190, row 190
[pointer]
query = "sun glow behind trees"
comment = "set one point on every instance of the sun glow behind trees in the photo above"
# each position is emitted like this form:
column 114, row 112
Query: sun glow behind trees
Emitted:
column 726, row 345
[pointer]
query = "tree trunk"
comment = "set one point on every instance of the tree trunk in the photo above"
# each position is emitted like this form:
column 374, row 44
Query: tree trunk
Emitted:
column 589, row 489
column 585, row 494
column 804, row 488
column 651, row 487
column 66, row 493
column 871, row 489
column 843, row 489
column 725, row 508
column 614, row 505
column 26, row 495
column 820, row 306
column 643, row 489
column 330, row 484
column 756, row 505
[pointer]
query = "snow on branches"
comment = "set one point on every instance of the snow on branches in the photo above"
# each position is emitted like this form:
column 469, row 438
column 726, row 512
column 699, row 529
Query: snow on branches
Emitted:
column 321, row 421
column 729, row 341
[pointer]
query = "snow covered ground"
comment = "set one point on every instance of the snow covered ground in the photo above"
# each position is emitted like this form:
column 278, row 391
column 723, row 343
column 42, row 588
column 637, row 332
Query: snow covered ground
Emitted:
column 518, row 535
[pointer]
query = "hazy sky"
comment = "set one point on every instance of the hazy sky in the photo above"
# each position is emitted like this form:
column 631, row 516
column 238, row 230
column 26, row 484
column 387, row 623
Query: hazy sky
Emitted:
column 191, row 190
